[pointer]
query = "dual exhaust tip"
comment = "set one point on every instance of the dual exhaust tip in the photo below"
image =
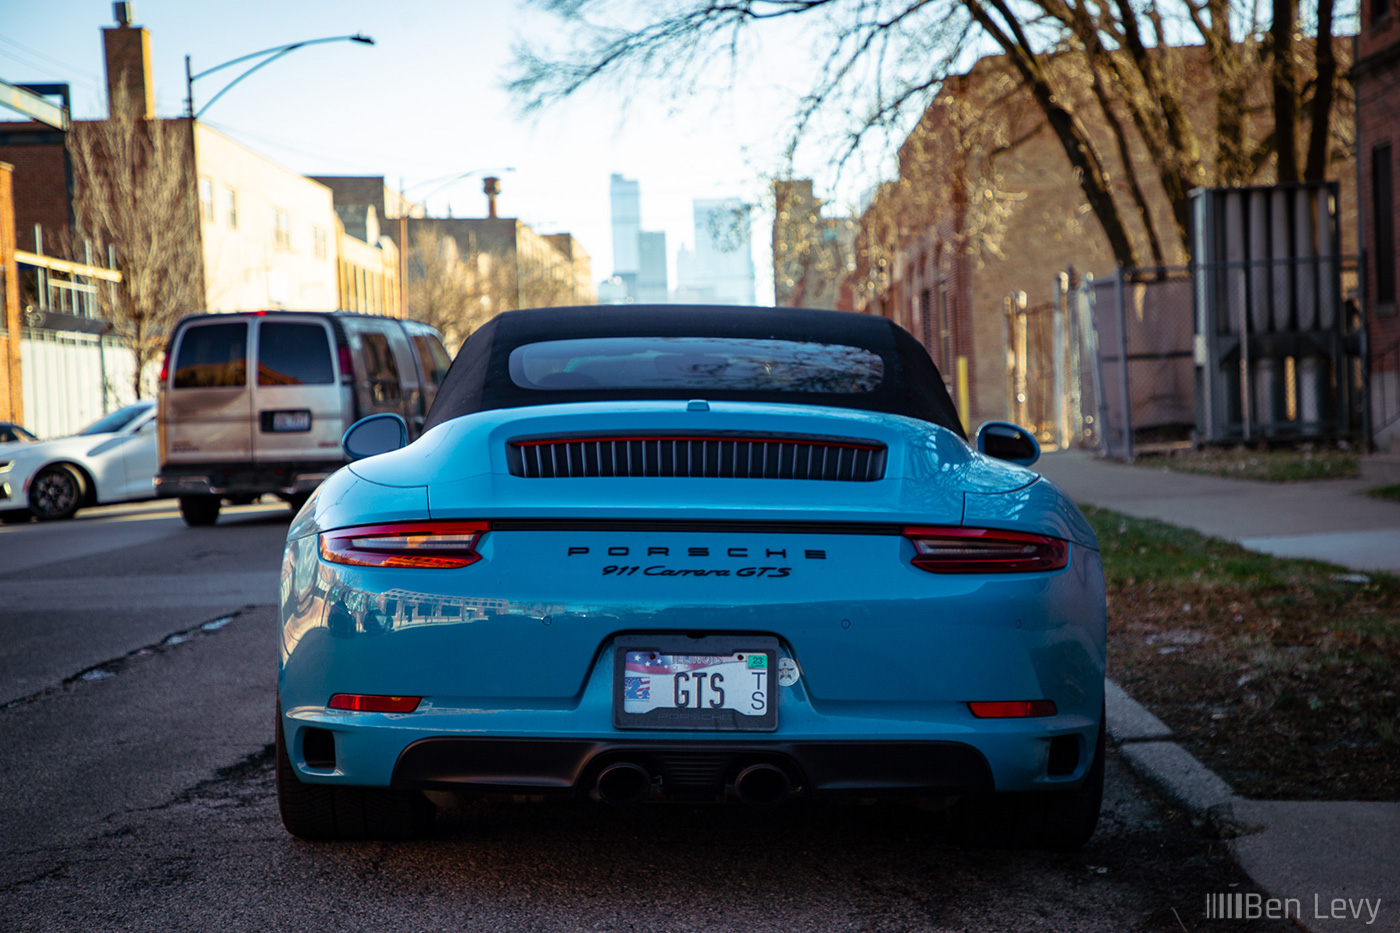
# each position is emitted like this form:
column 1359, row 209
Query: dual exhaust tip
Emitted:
column 624, row 783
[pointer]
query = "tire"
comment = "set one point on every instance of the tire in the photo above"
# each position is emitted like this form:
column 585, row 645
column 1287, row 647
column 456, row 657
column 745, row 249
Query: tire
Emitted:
column 322, row 812
column 56, row 492
column 1048, row 820
column 200, row 511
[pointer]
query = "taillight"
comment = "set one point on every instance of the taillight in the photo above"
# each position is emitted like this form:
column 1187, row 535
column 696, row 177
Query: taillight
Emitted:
column 985, row 550
column 164, row 367
column 347, row 365
column 368, row 703
column 423, row 545
column 1013, row 709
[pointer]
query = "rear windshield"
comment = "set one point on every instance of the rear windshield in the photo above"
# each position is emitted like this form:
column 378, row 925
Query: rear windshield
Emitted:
column 294, row 355
column 212, row 356
column 697, row 364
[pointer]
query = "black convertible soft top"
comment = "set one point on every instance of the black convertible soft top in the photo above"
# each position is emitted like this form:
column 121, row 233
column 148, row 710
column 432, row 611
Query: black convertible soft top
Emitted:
column 480, row 379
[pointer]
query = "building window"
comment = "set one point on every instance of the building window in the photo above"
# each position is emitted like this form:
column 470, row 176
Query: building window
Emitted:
column 281, row 229
column 206, row 198
column 318, row 241
column 231, row 208
column 1383, row 213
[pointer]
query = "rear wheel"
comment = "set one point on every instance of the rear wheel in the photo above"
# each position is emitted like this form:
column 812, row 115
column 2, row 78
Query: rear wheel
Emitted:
column 1054, row 820
column 56, row 492
column 199, row 511
column 324, row 812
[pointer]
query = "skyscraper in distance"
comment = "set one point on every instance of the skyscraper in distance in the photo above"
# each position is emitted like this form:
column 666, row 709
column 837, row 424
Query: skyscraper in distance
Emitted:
column 720, row 269
column 639, row 256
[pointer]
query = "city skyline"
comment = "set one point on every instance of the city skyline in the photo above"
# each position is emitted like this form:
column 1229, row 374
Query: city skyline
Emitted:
column 427, row 103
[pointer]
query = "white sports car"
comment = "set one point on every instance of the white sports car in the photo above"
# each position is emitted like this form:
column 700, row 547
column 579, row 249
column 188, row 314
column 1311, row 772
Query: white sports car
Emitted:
column 111, row 460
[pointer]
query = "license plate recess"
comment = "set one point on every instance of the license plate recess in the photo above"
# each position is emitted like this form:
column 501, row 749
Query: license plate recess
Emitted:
column 296, row 421
column 717, row 683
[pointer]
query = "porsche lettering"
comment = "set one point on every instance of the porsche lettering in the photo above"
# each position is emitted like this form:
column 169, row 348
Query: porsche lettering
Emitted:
column 738, row 553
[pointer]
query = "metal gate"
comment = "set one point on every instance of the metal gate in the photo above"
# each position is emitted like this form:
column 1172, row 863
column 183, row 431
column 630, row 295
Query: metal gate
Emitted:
column 1278, row 351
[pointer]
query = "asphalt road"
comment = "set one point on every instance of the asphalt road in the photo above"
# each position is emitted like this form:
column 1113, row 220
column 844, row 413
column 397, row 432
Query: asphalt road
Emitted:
column 137, row 677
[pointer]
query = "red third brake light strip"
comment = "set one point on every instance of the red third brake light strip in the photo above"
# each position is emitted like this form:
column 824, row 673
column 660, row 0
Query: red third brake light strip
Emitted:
column 985, row 550
column 420, row 545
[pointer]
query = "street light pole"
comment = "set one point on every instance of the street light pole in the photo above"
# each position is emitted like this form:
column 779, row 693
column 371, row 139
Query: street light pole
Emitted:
column 271, row 54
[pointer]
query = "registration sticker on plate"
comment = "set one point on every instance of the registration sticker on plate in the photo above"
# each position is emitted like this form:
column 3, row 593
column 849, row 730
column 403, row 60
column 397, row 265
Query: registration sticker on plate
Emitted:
column 695, row 685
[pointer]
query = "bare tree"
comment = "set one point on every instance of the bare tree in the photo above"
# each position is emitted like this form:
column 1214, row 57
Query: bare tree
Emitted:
column 882, row 61
column 545, row 285
column 812, row 254
column 446, row 290
column 134, row 191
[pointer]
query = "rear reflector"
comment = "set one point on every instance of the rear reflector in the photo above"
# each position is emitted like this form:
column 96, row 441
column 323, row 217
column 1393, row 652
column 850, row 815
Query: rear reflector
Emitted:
column 367, row 703
column 985, row 550
column 423, row 545
column 1013, row 709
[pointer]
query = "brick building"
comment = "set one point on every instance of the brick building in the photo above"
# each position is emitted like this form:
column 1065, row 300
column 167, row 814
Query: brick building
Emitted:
column 41, row 194
column 1376, row 76
column 986, row 207
column 268, row 237
column 813, row 255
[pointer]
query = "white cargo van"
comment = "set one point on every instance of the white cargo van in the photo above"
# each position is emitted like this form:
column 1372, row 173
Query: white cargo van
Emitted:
column 254, row 403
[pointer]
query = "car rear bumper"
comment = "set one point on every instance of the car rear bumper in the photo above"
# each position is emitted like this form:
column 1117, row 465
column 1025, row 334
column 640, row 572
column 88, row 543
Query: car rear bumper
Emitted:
column 827, row 756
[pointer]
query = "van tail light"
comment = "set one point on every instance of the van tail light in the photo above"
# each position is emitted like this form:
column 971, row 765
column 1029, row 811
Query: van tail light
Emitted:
column 164, row 367
column 347, row 365
column 369, row 703
column 985, row 550
column 422, row 545
column 1013, row 709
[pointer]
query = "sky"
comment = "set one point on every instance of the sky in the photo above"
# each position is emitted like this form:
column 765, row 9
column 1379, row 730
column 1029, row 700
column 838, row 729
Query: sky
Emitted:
column 427, row 102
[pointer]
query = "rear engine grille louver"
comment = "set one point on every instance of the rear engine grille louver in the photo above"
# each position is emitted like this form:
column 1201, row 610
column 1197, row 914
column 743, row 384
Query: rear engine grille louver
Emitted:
column 728, row 457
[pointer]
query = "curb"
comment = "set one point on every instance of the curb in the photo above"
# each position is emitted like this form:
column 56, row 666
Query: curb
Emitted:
column 1146, row 745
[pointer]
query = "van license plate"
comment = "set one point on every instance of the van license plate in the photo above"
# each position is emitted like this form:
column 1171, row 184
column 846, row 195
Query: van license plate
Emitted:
column 290, row 421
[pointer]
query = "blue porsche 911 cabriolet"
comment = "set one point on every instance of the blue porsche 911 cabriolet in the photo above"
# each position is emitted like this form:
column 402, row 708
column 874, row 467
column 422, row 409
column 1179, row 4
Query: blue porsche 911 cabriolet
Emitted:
column 693, row 553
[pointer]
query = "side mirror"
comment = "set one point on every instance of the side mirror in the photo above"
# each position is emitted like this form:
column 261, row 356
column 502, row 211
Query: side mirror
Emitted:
column 1006, row 441
column 377, row 434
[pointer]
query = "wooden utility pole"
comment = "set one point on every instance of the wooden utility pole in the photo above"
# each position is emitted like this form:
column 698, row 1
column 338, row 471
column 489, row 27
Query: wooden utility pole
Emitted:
column 12, row 399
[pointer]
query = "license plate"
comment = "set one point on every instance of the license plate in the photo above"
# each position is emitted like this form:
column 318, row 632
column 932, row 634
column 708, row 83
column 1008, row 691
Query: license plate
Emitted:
column 291, row 421
column 717, row 683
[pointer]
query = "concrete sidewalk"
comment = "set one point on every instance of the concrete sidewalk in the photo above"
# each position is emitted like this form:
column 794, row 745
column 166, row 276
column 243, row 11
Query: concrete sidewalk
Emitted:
column 1332, row 865
column 1331, row 520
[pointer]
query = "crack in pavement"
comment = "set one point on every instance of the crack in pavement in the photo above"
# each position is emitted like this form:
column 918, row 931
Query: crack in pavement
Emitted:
column 118, row 665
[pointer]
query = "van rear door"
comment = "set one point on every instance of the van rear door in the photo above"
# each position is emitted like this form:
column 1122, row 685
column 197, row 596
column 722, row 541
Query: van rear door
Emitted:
column 205, row 406
column 297, row 408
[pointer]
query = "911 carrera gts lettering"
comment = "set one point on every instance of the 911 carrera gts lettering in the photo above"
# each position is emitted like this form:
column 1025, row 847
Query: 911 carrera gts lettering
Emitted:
column 658, row 570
